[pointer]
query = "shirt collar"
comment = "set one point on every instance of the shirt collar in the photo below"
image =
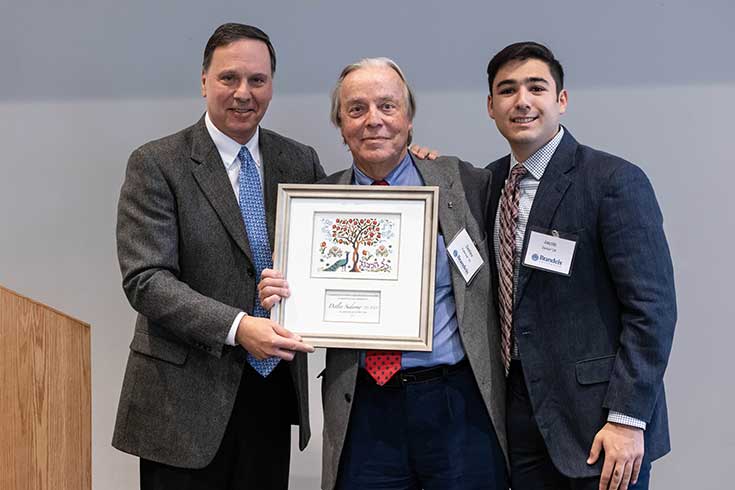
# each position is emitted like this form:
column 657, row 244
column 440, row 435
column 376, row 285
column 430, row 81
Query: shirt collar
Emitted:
column 536, row 164
column 227, row 147
column 394, row 177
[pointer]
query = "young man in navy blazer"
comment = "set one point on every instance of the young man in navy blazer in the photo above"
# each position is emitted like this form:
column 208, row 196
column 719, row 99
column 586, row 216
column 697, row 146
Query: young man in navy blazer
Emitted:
column 589, row 299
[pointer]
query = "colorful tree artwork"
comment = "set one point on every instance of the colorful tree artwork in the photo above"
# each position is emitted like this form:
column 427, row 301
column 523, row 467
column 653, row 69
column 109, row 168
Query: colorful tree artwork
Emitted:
column 356, row 232
column 357, row 243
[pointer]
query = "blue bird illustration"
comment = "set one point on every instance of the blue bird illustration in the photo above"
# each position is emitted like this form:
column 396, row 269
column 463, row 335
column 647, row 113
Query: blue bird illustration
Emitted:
column 340, row 263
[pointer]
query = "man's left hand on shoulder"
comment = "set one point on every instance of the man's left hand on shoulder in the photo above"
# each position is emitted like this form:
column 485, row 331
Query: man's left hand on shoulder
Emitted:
column 624, row 448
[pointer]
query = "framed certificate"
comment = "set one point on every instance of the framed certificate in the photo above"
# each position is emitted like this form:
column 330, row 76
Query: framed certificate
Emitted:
column 360, row 263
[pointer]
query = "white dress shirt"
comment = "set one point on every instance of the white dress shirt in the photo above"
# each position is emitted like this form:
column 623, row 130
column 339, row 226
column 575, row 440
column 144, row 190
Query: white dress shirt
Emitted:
column 228, row 150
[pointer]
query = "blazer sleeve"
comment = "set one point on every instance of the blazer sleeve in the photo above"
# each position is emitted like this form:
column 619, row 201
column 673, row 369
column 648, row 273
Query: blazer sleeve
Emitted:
column 635, row 248
column 148, row 252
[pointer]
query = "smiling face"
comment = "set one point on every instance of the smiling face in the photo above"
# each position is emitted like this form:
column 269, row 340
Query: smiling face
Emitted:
column 374, row 119
column 238, row 86
column 525, row 106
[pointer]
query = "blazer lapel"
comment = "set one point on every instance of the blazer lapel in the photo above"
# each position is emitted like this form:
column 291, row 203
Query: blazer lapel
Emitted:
column 496, row 188
column 345, row 177
column 212, row 178
column 554, row 184
column 452, row 211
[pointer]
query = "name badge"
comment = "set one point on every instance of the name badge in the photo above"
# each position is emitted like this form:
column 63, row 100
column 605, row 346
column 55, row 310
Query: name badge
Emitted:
column 550, row 253
column 465, row 255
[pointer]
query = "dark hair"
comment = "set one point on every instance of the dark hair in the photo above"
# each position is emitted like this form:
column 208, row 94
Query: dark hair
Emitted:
column 522, row 52
column 231, row 32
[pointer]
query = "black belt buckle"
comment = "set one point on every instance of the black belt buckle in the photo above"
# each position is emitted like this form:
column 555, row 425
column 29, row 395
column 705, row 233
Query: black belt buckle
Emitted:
column 418, row 375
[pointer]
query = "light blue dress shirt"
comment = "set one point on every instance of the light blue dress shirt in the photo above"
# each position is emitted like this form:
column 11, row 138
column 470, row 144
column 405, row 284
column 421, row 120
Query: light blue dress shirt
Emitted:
column 447, row 345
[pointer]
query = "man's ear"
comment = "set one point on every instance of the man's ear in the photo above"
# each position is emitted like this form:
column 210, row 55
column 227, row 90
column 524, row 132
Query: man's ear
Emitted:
column 563, row 101
column 490, row 111
column 204, row 85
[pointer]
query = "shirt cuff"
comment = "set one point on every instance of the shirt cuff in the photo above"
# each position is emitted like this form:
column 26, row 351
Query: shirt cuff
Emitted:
column 620, row 418
column 233, row 329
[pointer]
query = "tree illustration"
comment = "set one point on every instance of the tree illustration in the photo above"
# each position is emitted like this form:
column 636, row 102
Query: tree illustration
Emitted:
column 356, row 232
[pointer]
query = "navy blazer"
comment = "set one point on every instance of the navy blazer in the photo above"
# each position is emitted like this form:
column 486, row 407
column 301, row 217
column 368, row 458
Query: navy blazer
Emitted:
column 599, row 339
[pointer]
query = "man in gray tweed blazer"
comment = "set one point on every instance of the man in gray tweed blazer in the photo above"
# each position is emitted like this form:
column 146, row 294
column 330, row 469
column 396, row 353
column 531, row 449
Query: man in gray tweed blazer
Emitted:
column 192, row 407
column 439, row 422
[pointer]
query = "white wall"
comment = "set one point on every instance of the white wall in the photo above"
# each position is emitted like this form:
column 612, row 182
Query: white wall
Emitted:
column 64, row 156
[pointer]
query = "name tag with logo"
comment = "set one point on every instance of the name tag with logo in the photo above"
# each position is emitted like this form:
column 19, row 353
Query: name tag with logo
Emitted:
column 549, row 252
column 465, row 255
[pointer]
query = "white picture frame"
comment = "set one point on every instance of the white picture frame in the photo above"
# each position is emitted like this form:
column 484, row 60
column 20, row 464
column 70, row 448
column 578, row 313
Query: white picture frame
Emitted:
column 360, row 263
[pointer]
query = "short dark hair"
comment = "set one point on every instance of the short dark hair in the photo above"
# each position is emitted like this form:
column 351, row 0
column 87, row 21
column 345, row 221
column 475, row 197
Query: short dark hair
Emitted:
column 231, row 32
column 521, row 52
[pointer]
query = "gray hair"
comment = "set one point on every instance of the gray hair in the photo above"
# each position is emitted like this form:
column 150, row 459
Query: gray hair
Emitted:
column 363, row 63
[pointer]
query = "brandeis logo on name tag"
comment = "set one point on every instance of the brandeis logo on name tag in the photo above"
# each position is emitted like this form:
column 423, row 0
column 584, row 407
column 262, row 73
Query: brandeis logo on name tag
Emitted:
column 465, row 255
column 549, row 252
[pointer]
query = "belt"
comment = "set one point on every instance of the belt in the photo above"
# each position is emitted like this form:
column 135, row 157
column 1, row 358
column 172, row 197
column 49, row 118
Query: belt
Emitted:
column 417, row 374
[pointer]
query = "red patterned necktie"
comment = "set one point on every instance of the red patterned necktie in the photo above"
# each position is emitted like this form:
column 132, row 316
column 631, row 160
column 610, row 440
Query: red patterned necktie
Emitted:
column 382, row 364
column 507, row 250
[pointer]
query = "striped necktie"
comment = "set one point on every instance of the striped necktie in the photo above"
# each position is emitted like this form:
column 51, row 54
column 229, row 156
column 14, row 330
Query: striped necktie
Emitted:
column 507, row 250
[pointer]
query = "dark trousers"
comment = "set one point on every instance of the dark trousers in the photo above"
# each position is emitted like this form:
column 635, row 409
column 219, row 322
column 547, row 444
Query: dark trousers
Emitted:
column 531, row 467
column 256, row 447
column 430, row 435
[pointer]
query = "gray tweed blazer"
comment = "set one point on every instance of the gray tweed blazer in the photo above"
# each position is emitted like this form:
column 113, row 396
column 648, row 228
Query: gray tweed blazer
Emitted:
column 188, row 271
column 463, row 203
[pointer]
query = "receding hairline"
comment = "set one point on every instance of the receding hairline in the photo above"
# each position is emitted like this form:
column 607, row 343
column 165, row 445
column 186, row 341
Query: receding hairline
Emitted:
column 401, row 82
column 379, row 62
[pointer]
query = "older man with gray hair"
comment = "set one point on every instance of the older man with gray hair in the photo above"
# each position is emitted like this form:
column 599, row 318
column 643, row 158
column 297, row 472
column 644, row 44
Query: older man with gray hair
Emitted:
column 434, row 420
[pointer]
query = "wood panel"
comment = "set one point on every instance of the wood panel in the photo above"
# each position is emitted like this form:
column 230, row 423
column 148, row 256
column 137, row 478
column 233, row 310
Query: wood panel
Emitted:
column 45, row 404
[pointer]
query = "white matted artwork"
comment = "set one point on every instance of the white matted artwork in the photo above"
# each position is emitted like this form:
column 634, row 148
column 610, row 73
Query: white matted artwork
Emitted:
column 360, row 263
column 351, row 306
column 356, row 245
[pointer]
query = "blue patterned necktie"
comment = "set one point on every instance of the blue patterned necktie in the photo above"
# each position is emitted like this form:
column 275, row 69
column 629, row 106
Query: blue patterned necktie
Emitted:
column 253, row 214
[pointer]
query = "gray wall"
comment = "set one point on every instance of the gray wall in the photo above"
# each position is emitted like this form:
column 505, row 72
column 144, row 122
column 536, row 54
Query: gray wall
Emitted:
column 84, row 83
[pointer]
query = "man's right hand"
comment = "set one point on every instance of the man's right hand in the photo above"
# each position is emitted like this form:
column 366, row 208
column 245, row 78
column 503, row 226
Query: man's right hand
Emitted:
column 424, row 152
column 272, row 288
column 264, row 338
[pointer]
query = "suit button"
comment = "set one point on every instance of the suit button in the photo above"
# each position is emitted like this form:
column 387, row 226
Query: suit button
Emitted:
column 348, row 397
